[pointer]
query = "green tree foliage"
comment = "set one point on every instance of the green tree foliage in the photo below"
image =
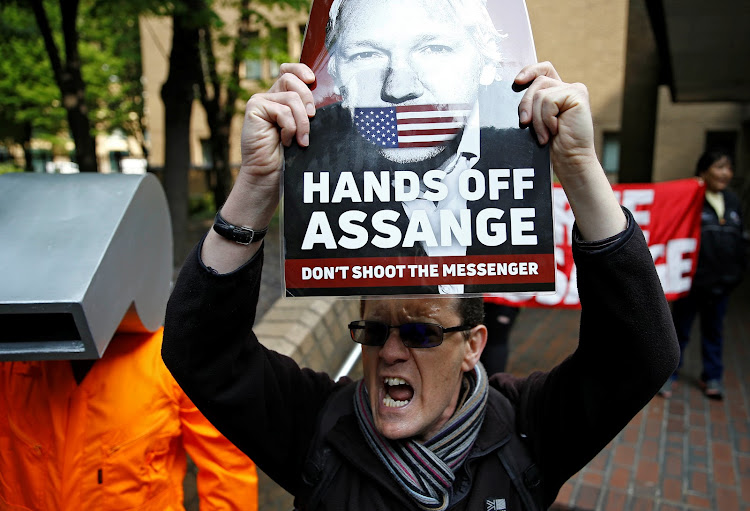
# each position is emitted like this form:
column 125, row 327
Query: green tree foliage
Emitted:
column 29, row 97
column 111, row 52
column 66, row 68
column 220, row 85
column 108, row 49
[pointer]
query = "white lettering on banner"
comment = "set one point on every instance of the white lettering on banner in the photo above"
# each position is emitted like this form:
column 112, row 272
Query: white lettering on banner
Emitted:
column 318, row 231
column 471, row 184
column 489, row 269
column 390, row 271
column 436, row 189
column 346, row 188
column 405, row 185
column 673, row 260
column 323, row 272
column 310, row 187
column 519, row 226
column 383, row 221
column 499, row 233
column 633, row 199
column 419, row 229
column 496, row 177
column 450, row 227
column 350, row 221
column 675, row 269
column 673, row 266
column 455, row 229
column 520, row 183
column 380, row 187
column 400, row 271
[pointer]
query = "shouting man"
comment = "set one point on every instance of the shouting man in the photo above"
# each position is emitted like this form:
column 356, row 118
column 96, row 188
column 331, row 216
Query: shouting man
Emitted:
column 425, row 428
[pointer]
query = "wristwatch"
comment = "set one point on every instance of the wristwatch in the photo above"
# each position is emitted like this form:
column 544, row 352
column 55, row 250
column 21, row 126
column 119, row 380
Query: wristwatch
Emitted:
column 237, row 233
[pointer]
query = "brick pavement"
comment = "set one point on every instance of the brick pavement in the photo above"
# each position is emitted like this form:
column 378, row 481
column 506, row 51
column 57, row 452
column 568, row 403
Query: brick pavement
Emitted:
column 685, row 453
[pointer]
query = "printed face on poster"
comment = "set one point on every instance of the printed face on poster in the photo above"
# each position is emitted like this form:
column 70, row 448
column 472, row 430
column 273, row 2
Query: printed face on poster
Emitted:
column 417, row 179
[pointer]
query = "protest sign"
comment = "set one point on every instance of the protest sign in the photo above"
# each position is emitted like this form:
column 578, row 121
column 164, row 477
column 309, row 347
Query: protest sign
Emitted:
column 417, row 179
column 669, row 214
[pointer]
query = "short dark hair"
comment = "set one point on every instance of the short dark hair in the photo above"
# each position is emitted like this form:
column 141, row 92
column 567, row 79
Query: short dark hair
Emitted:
column 471, row 310
column 710, row 157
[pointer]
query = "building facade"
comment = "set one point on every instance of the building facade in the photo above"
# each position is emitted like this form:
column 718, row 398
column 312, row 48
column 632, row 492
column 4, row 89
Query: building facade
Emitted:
column 587, row 41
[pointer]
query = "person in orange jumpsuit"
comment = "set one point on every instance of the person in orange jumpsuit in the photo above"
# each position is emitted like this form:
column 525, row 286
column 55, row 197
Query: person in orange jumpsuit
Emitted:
column 111, row 434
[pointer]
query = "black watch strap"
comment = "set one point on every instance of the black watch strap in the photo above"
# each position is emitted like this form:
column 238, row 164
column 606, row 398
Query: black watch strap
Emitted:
column 237, row 233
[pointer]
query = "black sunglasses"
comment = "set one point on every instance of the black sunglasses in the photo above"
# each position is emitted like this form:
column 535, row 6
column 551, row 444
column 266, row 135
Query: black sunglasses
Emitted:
column 413, row 335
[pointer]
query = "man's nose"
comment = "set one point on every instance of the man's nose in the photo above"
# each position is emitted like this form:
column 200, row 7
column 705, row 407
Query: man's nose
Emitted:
column 401, row 84
column 393, row 350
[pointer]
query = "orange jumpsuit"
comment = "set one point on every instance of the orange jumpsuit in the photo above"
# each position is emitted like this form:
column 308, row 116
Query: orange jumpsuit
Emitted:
column 117, row 441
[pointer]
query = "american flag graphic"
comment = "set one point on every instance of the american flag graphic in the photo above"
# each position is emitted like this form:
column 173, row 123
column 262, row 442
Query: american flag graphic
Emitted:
column 411, row 126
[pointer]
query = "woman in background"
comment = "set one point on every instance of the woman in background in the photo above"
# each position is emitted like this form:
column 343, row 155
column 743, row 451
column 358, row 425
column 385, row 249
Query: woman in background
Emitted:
column 721, row 262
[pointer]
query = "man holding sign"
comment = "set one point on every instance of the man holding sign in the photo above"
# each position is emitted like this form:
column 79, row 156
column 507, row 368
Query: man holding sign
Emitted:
column 425, row 428
column 411, row 170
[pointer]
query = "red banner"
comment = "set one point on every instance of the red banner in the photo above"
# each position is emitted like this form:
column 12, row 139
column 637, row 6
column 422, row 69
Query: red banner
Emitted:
column 669, row 214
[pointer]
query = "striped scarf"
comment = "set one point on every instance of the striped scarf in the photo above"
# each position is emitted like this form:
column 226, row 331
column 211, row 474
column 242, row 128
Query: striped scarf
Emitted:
column 426, row 471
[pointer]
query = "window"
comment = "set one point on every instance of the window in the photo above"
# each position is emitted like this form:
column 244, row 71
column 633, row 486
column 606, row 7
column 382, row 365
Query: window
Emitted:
column 39, row 159
column 114, row 160
column 207, row 155
column 253, row 69
column 253, row 62
column 278, row 49
column 611, row 152
column 265, row 54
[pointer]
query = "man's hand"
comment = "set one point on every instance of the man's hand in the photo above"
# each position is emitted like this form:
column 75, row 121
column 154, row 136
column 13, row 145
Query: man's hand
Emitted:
column 272, row 118
column 277, row 117
column 561, row 116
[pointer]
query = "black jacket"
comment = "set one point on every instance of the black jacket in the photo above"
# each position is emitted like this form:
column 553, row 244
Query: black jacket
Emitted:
column 721, row 260
column 268, row 406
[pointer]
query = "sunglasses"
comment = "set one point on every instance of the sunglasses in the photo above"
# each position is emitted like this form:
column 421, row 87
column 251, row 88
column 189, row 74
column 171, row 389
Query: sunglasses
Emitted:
column 413, row 335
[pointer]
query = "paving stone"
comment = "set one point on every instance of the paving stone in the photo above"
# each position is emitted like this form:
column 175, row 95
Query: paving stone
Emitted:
column 672, row 489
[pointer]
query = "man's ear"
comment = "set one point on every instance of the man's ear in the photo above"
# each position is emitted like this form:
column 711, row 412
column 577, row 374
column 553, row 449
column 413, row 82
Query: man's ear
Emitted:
column 474, row 347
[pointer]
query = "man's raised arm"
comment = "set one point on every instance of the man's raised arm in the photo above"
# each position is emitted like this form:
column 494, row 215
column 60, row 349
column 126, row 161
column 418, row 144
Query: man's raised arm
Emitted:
column 272, row 118
column 260, row 400
column 561, row 116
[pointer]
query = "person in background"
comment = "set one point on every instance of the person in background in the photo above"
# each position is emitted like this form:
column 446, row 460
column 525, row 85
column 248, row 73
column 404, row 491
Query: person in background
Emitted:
column 721, row 262
column 499, row 320
column 111, row 434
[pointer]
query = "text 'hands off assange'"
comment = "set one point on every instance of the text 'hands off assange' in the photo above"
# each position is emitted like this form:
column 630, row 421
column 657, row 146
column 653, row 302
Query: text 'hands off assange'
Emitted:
column 454, row 226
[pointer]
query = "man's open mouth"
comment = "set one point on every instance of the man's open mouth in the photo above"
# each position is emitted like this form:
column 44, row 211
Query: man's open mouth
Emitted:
column 398, row 393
